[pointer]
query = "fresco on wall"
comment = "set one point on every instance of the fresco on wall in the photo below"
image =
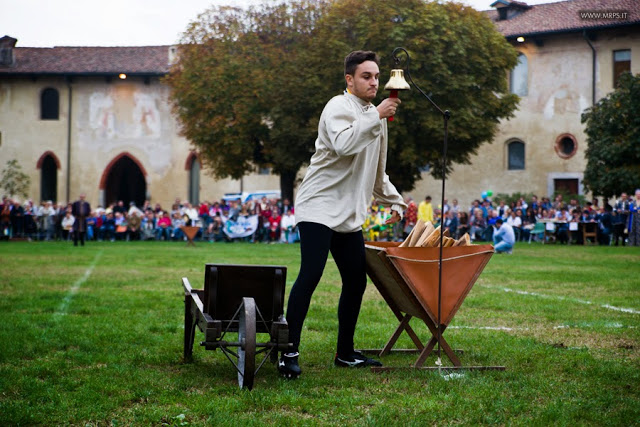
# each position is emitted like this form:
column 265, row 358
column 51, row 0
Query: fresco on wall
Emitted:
column 124, row 113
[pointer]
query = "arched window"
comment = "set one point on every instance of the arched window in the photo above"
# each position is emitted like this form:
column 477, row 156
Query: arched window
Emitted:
column 515, row 155
column 518, row 77
column 49, row 104
column 194, row 179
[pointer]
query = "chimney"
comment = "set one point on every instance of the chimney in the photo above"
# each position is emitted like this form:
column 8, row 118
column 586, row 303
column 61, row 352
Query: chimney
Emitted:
column 6, row 51
column 508, row 9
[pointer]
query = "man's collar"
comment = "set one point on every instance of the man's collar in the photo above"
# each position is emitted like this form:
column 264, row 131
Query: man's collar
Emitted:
column 357, row 99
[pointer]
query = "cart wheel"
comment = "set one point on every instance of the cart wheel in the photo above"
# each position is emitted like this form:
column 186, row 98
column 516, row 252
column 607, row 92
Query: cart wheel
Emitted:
column 247, row 339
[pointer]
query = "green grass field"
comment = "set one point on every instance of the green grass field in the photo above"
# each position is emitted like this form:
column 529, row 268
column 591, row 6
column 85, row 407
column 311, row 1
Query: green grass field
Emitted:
column 93, row 336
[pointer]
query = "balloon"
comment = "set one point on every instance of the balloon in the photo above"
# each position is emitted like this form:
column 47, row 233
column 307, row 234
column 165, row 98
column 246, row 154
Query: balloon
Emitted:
column 489, row 193
column 484, row 194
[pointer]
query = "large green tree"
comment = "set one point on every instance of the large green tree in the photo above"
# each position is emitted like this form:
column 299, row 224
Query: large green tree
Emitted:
column 250, row 85
column 458, row 58
column 613, row 140
column 240, row 93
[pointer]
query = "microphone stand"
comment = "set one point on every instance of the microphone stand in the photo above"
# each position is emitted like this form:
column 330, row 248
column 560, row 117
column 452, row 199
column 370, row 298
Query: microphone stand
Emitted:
column 446, row 114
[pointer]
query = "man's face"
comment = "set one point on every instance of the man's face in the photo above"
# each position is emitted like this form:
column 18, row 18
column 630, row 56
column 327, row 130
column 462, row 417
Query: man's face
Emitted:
column 364, row 82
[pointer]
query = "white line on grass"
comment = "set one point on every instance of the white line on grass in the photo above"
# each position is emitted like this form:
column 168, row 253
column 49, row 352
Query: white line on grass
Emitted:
column 561, row 298
column 512, row 329
column 62, row 310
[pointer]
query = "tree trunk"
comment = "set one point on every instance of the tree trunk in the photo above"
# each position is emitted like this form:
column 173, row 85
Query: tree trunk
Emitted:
column 287, row 184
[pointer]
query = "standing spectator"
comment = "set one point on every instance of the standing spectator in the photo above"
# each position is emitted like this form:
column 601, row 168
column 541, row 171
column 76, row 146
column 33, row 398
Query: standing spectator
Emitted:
column 454, row 206
column 515, row 221
column 621, row 209
column 451, row 222
column 288, row 229
column 425, row 210
column 67, row 225
column 563, row 217
column 634, row 220
column 575, row 235
column 5, row 217
column 446, row 207
column 17, row 219
column 463, row 224
column 410, row 217
column 502, row 209
column 81, row 211
column 49, row 215
column 605, row 225
column 274, row 225
column 119, row 207
column 286, row 206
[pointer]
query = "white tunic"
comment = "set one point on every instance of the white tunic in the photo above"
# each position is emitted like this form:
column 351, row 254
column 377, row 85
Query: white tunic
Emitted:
column 348, row 167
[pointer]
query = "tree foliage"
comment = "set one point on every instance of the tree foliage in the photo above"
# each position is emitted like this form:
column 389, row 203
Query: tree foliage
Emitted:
column 239, row 92
column 613, row 140
column 250, row 84
column 14, row 181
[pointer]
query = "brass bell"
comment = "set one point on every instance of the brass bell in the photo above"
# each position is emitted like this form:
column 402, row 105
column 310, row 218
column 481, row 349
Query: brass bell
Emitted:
column 397, row 81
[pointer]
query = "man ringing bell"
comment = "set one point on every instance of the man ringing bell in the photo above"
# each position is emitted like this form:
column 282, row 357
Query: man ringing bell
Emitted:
column 347, row 169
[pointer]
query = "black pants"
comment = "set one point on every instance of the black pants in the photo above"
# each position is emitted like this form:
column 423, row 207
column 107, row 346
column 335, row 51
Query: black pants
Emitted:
column 78, row 235
column 316, row 240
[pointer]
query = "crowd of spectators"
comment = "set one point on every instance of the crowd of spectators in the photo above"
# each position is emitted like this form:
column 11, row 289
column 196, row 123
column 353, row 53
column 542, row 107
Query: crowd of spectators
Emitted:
column 276, row 220
column 479, row 220
column 51, row 221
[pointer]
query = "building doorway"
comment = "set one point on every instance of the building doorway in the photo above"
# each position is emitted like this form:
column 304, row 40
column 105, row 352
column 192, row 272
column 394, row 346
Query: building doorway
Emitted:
column 125, row 181
column 48, row 165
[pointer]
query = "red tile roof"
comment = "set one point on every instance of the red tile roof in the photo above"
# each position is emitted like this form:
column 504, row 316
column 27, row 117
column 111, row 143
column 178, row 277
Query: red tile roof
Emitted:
column 147, row 60
column 565, row 16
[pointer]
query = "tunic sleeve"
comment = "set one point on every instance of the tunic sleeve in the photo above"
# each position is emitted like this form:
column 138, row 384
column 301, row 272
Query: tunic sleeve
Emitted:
column 348, row 131
column 383, row 190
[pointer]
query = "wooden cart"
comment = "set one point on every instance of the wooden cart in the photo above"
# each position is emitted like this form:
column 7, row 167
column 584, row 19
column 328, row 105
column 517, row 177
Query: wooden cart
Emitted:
column 237, row 303
column 407, row 279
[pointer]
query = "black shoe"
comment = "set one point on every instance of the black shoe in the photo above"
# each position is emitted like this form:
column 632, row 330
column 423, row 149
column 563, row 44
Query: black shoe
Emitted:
column 288, row 365
column 356, row 360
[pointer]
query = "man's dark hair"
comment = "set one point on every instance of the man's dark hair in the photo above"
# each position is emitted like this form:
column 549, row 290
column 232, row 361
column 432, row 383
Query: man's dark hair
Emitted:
column 356, row 58
column 499, row 221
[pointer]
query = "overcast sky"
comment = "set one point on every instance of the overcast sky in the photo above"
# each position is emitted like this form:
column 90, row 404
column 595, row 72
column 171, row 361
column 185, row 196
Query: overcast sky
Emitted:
column 47, row 23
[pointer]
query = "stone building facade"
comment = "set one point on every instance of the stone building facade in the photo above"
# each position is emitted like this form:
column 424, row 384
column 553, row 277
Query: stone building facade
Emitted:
column 97, row 119
column 571, row 53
